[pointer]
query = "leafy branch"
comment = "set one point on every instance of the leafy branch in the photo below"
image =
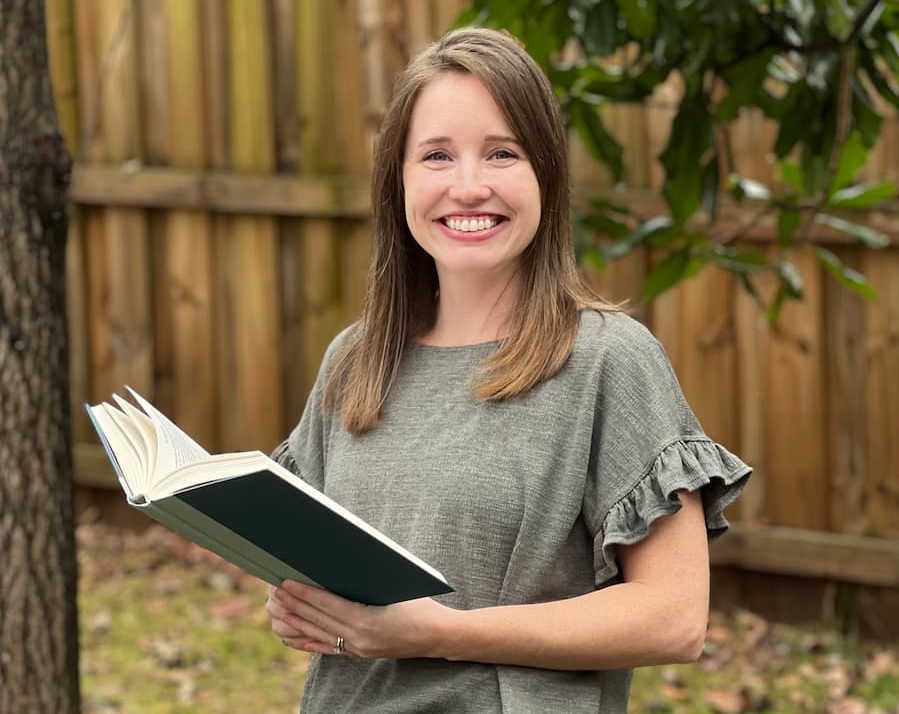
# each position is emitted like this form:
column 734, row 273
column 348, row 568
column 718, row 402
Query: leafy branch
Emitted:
column 812, row 66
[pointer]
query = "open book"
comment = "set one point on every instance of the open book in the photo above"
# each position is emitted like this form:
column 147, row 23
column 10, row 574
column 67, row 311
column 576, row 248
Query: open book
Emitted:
column 253, row 512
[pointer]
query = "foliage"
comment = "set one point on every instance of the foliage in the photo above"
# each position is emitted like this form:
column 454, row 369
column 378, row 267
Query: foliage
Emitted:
column 812, row 66
column 168, row 628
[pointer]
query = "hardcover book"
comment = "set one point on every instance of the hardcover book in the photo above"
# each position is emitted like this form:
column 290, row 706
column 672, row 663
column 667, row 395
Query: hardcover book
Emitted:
column 253, row 512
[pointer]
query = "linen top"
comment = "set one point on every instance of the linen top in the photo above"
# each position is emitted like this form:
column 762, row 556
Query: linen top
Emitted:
column 518, row 501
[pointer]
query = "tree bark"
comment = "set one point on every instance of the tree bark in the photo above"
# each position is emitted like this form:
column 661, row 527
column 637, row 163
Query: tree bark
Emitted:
column 38, row 579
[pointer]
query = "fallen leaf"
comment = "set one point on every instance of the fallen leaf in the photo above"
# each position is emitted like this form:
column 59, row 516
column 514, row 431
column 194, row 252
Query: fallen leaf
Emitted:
column 725, row 702
column 849, row 705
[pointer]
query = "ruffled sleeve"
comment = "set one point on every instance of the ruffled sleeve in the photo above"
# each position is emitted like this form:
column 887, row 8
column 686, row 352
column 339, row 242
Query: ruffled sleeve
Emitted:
column 688, row 464
column 646, row 445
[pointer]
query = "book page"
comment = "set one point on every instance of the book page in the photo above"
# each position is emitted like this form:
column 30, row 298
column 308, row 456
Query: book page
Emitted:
column 174, row 448
column 146, row 432
column 138, row 446
column 123, row 456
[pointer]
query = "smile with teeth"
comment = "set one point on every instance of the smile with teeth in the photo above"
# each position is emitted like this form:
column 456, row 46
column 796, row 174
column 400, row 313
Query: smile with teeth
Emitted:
column 471, row 224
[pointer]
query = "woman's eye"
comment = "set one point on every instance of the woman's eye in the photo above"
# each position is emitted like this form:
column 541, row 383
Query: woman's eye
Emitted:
column 436, row 156
column 503, row 154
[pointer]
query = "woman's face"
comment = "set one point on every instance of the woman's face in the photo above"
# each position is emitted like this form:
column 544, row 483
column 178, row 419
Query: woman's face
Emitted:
column 472, row 198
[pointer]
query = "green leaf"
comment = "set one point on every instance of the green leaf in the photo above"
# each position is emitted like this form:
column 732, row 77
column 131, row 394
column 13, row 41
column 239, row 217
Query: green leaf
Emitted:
column 852, row 279
column 666, row 274
column 600, row 36
column 477, row 15
column 601, row 144
column 691, row 136
column 852, row 158
column 864, row 195
column 744, row 84
column 802, row 12
column 738, row 260
column 791, row 280
column 742, row 187
column 790, row 173
column 864, row 234
column 607, row 205
column 647, row 230
column 787, row 223
column 776, row 305
column 639, row 17
column 885, row 84
column 839, row 18
column 594, row 259
column 865, row 118
column 604, row 225
column 711, row 185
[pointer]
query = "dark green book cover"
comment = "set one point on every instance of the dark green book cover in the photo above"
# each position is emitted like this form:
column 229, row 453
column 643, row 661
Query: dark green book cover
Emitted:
column 311, row 538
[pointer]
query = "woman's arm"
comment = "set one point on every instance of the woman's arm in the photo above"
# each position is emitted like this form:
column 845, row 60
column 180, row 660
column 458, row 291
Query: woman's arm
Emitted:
column 657, row 615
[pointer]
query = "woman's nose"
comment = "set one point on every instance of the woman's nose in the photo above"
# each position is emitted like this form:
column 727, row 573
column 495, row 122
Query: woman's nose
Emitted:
column 468, row 184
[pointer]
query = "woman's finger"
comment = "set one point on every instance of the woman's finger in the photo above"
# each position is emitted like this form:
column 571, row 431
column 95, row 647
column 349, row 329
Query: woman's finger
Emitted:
column 304, row 611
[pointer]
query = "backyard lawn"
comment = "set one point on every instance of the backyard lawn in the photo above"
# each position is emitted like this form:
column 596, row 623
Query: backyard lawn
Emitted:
column 167, row 628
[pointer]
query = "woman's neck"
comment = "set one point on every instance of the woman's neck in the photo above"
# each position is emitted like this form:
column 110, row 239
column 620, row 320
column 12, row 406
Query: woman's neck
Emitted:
column 472, row 310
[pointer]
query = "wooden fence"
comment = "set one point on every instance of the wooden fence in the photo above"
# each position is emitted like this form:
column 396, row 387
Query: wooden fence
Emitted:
column 220, row 236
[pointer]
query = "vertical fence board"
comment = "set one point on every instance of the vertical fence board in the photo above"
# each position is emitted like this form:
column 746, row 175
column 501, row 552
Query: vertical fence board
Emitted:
column 122, row 342
column 319, row 259
column 419, row 23
column 185, row 358
column 798, row 495
column 153, row 28
column 699, row 335
column 845, row 364
column 751, row 396
column 882, row 346
column 248, row 339
column 444, row 14
column 356, row 127
column 284, row 82
column 214, row 43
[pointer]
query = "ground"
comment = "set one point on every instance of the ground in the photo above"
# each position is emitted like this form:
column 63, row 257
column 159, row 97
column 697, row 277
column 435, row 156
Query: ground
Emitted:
column 167, row 628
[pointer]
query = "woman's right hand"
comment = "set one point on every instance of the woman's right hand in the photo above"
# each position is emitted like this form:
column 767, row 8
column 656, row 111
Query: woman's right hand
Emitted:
column 281, row 628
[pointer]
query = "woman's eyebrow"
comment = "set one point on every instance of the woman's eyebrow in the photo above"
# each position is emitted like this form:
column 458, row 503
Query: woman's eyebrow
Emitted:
column 502, row 138
column 434, row 140
column 490, row 138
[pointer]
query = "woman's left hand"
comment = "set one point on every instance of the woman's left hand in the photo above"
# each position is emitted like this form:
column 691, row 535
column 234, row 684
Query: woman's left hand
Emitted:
column 311, row 619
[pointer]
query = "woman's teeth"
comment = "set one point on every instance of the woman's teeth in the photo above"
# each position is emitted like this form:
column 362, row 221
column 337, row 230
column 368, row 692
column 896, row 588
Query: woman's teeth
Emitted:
column 470, row 225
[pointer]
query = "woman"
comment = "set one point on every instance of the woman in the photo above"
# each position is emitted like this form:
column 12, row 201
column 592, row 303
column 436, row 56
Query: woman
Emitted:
column 496, row 419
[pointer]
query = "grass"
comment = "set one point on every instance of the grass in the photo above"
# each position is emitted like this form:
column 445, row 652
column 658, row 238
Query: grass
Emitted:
column 167, row 628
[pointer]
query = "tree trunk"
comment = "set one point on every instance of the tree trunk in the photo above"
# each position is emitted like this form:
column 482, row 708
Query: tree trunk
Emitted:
column 38, row 611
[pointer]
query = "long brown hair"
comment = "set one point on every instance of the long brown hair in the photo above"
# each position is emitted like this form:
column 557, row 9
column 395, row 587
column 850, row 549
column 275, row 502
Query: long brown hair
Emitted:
column 401, row 301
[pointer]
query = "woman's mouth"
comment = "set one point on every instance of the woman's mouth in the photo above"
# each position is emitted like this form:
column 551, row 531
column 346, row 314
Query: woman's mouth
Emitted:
column 471, row 228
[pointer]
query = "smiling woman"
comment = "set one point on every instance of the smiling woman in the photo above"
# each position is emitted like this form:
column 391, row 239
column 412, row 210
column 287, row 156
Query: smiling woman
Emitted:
column 472, row 198
column 503, row 423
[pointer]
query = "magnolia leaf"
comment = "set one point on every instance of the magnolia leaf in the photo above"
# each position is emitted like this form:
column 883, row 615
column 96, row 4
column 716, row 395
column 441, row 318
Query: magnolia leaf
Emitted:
column 600, row 143
column 787, row 223
column 791, row 279
column 791, row 173
column 639, row 17
column 691, row 136
column 651, row 228
column 743, row 187
column 864, row 195
column 839, row 18
column 864, row 234
column 666, row 274
column 852, row 279
column 852, row 158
